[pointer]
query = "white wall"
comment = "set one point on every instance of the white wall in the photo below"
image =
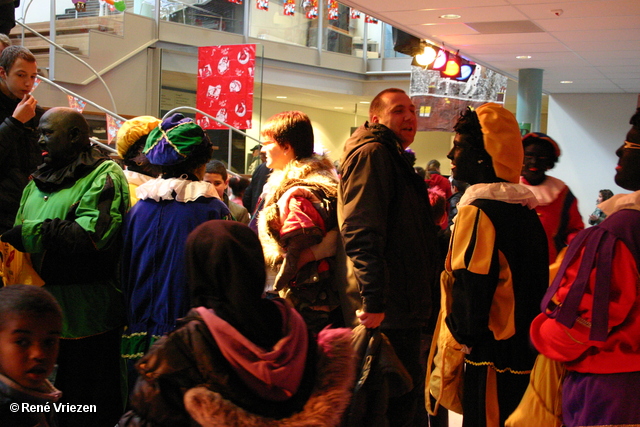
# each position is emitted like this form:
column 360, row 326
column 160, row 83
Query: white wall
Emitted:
column 589, row 129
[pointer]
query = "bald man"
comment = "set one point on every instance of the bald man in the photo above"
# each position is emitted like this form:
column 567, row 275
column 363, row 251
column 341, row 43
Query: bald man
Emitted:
column 69, row 221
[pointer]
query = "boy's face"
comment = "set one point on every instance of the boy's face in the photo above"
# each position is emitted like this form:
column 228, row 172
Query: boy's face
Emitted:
column 20, row 79
column 217, row 181
column 29, row 347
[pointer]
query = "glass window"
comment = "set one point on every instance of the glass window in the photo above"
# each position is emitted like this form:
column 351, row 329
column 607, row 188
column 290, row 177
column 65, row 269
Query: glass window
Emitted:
column 274, row 25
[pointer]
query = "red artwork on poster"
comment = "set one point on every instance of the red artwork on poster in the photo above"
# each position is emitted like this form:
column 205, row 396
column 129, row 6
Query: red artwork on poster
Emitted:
column 262, row 4
column 113, row 125
column 289, row 7
column 355, row 14
column 370, row 19
column 76, row 104
column 235, row 1
column 310, row 8
column 225, row 85
column 332, row 5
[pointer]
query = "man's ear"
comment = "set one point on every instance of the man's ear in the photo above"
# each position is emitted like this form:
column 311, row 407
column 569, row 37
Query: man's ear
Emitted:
column 74, row 135
column 3, row 73
column 374, row 119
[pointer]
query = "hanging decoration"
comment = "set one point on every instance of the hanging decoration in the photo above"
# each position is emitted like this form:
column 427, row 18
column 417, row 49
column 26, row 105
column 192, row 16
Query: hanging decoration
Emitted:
column 113, row 125
column 76, row 104
column 36, row 82
column 370, row 19
column 310, row 8
column 332, row 5
column 355, row 14
column 235, row 1
column 262, row 4
column 440, row 100
column 225, row 85
column 289, row 7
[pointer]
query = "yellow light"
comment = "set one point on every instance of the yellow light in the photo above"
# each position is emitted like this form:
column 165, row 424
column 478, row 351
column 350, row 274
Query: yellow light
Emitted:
column 452, row 69
column 427, row 56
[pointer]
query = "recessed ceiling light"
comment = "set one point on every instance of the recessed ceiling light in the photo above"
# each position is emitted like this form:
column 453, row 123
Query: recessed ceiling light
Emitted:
column 450, row 16
column 281, row 97
column 338, row 108
column 365, row 102
column 523, row 57
column 566, row 81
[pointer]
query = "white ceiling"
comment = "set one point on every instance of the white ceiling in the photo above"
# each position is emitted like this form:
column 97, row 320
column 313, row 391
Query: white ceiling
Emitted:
column 593, row 43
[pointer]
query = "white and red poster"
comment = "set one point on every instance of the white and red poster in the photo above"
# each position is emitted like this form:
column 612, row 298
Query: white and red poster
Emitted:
column 310, row 8
column 225, row 85
column 289, row 7
column 332, row 5
column 113, row 125
column 76, row 103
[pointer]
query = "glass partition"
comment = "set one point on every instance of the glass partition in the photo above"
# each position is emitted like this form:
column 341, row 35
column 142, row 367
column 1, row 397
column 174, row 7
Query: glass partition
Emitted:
column 338, row 28
column 275, row 24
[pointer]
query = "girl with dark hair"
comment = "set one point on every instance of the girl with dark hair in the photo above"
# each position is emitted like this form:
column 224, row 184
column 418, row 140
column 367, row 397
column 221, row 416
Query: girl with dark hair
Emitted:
column 598, row 216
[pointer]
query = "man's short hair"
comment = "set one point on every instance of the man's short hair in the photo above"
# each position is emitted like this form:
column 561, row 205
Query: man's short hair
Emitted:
column 377, row 104
column 12, row 53
column 216, row 166
column 292, row 128
column 28, row 299
column 5, row 40
column 433, row 165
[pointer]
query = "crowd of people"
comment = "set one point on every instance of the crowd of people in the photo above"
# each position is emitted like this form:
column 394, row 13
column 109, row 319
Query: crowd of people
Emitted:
column 168, row 303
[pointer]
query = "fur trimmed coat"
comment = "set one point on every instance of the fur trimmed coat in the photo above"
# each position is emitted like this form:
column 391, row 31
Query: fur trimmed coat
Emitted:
column 324, row 408
column 317, row 176
column 300, row 215
column 179, row 374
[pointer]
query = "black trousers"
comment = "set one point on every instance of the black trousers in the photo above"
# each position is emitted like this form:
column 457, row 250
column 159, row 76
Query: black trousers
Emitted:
column 89, row 373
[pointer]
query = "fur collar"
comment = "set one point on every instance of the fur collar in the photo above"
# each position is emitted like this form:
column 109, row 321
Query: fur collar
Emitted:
column 315, row 173
column 325, row 407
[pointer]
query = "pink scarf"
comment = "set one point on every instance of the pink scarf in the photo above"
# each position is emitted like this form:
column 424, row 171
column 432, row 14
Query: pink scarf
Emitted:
column 273, row 374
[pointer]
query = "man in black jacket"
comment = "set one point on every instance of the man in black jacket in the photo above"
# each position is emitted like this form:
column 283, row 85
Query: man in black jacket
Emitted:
column 390, row 236
column 19, row 116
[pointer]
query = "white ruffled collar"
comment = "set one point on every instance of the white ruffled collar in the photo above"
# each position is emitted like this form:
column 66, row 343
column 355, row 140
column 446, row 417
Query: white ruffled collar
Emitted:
column 547, row 191
column 621, row 201
column 180, row 189
column 136, row 178
column 501, row 191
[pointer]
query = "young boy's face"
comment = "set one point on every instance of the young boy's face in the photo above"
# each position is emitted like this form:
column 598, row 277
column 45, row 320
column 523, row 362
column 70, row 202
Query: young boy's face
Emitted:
column 29, row 347
column 20, row 78
column 217, row 181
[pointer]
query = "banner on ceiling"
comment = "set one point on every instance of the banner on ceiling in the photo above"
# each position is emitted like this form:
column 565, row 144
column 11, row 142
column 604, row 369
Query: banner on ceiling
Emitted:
column 439, row 101
column 225, row 85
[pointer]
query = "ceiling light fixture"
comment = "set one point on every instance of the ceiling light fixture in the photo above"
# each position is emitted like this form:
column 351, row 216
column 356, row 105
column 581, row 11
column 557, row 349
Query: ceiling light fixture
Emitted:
column 523, row 57
column 450, row 16
column 566, row 81
column 428, row 55
column 281, row 97
column 452, row 67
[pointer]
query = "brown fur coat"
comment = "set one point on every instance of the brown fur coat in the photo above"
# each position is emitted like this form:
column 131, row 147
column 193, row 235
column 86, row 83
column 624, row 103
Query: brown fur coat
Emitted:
column 313, row 172
column 329, row 399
